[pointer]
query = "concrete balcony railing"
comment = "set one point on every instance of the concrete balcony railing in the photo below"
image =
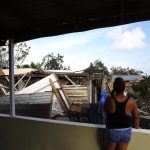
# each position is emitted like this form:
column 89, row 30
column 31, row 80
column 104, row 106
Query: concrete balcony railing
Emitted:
column 24, row 133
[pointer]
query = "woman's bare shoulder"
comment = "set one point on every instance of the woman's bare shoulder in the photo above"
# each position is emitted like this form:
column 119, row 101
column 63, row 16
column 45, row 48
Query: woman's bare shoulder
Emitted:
column 132, row 100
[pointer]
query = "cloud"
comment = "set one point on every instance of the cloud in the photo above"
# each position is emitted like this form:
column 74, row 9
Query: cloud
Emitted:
column 65, row 43
column 122, row 64
column 42, row 46
column 66, row 40
column 126, row 40
column 72, row 40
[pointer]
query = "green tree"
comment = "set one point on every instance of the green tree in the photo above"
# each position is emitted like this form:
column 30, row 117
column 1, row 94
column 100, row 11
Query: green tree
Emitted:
column 37, row 66
column 4, row 61
column 97, row 67
column 124, row 71
column 142, row 89
column 21, row 50
column 52, row 62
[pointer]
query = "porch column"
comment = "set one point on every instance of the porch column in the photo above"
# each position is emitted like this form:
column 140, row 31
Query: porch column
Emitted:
column 11, row 77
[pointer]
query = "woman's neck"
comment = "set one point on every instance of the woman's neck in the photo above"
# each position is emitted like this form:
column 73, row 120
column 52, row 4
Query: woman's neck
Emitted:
column 120, row 94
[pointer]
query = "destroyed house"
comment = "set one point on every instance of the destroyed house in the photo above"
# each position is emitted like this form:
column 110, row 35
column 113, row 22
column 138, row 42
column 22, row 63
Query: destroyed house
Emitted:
column 36, row 94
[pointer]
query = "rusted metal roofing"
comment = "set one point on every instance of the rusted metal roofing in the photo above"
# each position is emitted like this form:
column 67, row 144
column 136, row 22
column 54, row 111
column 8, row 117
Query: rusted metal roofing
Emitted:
column 29, row 19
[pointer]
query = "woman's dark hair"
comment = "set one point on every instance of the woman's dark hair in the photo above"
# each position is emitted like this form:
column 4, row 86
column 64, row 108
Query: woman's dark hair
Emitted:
column 119, row 85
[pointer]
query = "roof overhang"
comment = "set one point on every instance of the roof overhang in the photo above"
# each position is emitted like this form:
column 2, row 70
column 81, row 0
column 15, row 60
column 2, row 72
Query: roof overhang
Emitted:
column 29, row 19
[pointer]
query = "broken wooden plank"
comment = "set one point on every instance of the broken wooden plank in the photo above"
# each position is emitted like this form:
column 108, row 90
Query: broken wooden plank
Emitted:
column 73, row 83
column 59, row 93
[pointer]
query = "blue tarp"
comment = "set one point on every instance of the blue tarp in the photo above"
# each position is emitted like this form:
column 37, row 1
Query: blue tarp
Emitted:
column 97, row 114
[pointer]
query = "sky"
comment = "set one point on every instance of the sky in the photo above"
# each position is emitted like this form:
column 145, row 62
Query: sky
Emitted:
column 125, row 46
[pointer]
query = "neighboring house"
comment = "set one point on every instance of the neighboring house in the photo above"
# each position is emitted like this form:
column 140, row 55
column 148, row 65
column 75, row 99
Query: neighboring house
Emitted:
column 129, row 78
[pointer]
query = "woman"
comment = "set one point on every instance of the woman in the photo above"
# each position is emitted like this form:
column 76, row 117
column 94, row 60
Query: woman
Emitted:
column 120, row 109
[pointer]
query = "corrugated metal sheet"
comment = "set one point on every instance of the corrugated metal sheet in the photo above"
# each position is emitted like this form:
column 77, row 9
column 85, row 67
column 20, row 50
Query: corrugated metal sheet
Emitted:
column 33, row 105
column 33, row 98
column 128, row 77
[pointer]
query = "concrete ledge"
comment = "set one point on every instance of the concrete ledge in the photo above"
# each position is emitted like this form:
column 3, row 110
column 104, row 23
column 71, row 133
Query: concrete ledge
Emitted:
column 27, row 133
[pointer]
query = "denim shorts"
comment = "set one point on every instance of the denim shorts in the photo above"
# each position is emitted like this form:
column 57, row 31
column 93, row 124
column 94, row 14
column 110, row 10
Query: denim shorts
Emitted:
column 116, row 135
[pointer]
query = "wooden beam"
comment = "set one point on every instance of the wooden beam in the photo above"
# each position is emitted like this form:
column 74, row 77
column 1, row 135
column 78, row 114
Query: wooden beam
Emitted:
column 69, row 80
column 59, row 97
column 59, row 91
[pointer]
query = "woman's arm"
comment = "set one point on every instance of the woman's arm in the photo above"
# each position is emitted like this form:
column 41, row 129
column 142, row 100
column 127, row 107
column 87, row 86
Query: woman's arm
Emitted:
column 109, row 105
column 106, row 104
column 136, row 115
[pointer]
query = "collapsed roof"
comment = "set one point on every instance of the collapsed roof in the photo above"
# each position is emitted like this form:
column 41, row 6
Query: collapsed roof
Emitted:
column 29, row 19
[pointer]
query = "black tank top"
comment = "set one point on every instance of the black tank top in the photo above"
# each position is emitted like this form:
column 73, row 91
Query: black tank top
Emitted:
column 119, row 119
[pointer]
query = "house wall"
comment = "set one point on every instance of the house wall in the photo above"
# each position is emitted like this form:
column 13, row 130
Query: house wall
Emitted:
column 26, row 134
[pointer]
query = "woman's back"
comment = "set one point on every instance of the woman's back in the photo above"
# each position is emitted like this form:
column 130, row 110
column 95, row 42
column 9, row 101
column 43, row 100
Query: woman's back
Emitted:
column 119, row 114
